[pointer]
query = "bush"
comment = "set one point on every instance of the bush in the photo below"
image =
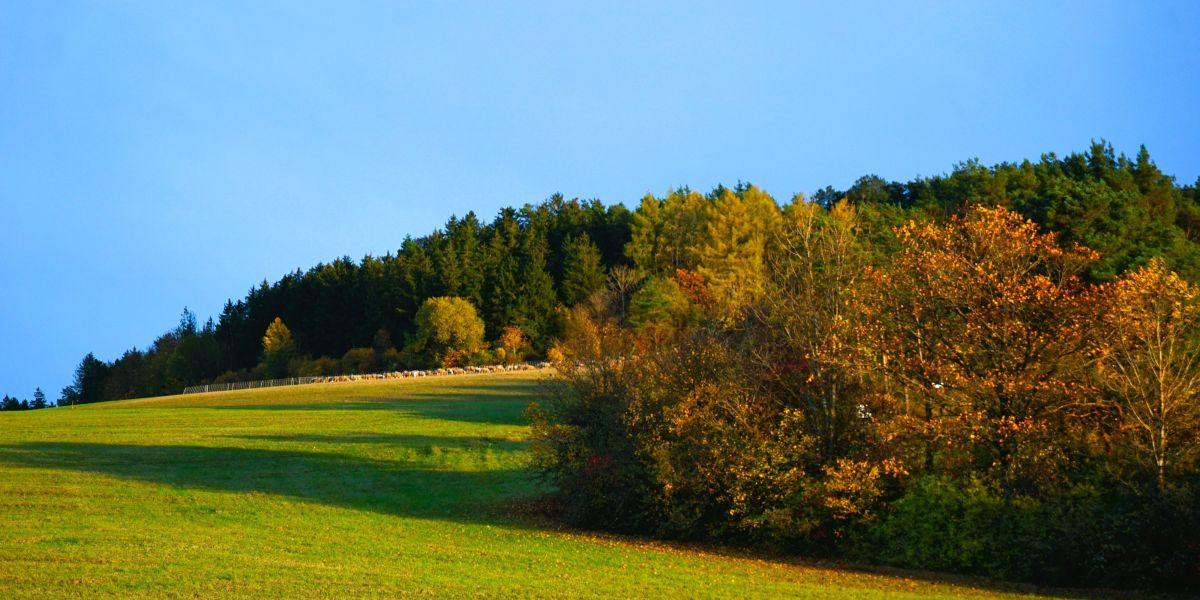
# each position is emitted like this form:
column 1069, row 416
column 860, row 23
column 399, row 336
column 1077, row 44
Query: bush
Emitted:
column 1086, row 535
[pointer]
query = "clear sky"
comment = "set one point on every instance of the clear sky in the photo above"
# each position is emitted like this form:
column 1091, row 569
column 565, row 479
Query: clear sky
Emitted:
column 161, row 154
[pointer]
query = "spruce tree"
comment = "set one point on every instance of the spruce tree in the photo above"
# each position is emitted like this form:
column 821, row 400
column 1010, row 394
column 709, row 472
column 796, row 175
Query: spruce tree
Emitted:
column 502, row 282
column 537, row 299
column 583, row 272
column 39, row 398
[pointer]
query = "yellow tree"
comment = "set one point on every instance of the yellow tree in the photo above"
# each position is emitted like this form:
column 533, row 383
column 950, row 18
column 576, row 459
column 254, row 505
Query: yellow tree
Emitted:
column 448, row 330
column 1151, row 367
column 986, row 320
column 737, row 230
column 278, row 347
column 665, row 232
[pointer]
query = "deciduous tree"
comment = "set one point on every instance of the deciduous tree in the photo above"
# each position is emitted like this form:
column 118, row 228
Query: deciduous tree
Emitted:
column 986, row 320
column 1150, row 366
column 447, row 327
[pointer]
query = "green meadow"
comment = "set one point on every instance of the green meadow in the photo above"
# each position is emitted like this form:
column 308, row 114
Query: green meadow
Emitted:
column 384, row 488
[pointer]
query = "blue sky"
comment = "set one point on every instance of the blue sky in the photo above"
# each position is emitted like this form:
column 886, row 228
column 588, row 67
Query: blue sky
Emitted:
column 161, row 154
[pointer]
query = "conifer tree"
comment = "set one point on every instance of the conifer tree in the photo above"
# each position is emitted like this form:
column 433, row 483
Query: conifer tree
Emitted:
column 502, row 276
column 583, row 272
column 538, row 299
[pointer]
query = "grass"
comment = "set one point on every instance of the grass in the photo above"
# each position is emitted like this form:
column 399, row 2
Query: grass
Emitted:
column 387, row 488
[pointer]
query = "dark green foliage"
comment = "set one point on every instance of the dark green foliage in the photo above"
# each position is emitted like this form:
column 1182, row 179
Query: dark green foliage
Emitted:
column 512, row 268
column 583, row 269
column 88, row 384
column 13, row 403
column 1098, row 534
column 1125, row 209
column 196, row 356
column 538, row 298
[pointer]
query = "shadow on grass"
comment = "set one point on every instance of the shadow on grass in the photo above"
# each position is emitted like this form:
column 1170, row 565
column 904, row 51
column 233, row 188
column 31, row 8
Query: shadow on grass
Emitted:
column 432, row 406
column 491, row 403
column 396, row 440
column 388, row 487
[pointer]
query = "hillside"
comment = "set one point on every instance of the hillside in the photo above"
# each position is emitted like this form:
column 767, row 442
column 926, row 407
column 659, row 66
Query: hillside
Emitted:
column 381, row 488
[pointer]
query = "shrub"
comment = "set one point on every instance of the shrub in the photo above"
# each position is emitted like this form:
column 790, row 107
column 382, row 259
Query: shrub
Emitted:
column 1088, row 534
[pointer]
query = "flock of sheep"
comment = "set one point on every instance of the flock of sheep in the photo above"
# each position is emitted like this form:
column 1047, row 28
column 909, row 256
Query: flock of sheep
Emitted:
column 243, row 385
column 433, row 372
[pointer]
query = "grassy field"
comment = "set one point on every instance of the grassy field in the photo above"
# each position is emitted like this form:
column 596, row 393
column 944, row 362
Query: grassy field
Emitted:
column 388, row 488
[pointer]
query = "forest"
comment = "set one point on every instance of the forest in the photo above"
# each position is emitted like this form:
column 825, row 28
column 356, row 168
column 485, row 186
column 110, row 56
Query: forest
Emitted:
column 1013, row 349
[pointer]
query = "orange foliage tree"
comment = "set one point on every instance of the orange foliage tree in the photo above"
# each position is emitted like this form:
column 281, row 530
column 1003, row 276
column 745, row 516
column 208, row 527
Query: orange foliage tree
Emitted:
column 985, row 320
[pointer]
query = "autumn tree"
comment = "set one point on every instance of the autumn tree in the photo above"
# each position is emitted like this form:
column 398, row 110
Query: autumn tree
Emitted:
column 1150, row 367
column 803, row 339
column 665, row 232
column 514, row 344
column 278, row 348
column 738, row 226
column 986, row 321
column 623, row 282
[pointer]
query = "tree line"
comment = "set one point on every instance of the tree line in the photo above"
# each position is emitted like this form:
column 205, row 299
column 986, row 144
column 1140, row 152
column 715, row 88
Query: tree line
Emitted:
column 360, row 316
column 1013, row 349
column 995, row 371
column 347, row 315
column 14, row 403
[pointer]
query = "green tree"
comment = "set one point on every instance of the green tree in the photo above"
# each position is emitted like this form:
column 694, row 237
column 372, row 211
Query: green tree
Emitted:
column 501, row 286
column 538, row 298
column 39, row 398
column 583, row 272
column 88, row 385
column 659, row 309
column 448, row 328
